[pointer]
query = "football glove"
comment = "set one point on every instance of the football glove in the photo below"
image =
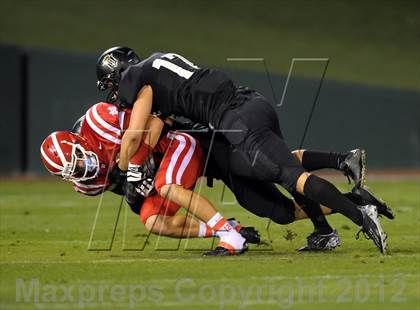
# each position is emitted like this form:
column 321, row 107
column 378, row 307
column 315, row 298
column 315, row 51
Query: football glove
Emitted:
column 146, row 187
column 132, row 197
column 141, row 178
column 117, row 176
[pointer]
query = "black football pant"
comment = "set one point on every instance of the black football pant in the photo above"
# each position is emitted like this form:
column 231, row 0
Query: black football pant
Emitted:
column 260, row 198
column 259, row 151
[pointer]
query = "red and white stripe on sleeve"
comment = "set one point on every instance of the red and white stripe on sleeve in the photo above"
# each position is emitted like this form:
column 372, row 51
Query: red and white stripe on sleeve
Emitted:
column 90, row 189
column 104, row 119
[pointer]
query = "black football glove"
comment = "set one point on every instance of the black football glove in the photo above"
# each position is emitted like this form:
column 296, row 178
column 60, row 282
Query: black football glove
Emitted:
column 133, row 198
column 117, row 176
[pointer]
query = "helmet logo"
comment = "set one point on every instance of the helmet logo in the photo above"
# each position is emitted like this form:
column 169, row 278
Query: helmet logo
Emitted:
column 110, row 61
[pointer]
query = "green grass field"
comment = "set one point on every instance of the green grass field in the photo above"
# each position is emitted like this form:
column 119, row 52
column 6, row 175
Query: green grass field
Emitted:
column 45, row 229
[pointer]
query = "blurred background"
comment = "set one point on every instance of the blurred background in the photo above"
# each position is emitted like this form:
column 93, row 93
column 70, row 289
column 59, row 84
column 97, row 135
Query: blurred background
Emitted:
column 370, row 96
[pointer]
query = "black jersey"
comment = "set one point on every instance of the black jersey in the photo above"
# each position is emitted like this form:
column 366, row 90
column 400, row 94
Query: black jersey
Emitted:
column 179, row 88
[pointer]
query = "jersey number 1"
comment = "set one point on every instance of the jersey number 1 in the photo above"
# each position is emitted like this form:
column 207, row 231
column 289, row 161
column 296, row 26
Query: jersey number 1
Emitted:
column 186, row 74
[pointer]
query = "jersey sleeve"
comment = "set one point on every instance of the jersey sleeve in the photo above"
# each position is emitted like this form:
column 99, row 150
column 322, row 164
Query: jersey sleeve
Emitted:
column 103, row 130
column 89, row 188
column 133, row 79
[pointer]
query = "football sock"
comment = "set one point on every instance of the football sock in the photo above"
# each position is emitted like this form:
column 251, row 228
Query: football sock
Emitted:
column 219, row 224
column 229, row 237
column 326, row 194
column 313, row 160
column 205, row 231
column 357, row 199
column 235, row 224
column 314, row 212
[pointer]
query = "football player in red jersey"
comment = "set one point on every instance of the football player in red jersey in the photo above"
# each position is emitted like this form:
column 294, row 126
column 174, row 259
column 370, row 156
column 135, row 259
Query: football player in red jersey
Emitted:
column 86, row 159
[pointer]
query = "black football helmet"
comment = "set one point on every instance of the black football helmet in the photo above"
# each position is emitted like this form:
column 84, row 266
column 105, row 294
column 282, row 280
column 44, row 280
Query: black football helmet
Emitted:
column 111, row 64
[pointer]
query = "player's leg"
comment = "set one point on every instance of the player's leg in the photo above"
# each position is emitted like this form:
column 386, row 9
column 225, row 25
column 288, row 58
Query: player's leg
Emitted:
column 314, row 212
column 366, row 216
column 265, row 156
column 178, row 226
column 263, row 198
column 359, row 197
column 352, row 163
column 261, row 153
column 324, row 237
column 300, row 214
column 159, row 217
column 178, row 172
column 260, row 198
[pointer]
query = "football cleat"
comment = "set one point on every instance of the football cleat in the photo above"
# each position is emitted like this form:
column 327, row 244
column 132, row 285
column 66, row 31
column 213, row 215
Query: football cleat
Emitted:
column 319, row 242
column 231, row 243
column 368, row 198
column 250, row 234
column 354, row 167
column 234, row 222
column 371, row 227
column 222, row 251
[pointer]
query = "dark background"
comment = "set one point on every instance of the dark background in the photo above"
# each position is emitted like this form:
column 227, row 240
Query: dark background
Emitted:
column 370, row 96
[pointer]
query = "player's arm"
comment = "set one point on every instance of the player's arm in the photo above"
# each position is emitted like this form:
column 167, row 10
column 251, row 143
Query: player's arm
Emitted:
column 154, row 129
column 133, row 136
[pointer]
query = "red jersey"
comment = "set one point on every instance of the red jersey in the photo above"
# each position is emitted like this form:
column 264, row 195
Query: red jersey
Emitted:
column 179, row 154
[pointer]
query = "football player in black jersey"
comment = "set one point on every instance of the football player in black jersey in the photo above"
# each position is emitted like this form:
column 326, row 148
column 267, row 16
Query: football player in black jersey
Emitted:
column 168, row 84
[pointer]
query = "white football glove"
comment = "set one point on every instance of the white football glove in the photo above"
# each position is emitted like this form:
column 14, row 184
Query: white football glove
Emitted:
column 135, row 173
column 141, row 178
column 145, row 187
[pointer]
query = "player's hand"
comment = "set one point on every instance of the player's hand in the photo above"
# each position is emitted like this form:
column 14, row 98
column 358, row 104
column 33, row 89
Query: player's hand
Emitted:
column 135, row 173
column 146, row 187
column 117, row 176
column 133, row 198
column 141, row 178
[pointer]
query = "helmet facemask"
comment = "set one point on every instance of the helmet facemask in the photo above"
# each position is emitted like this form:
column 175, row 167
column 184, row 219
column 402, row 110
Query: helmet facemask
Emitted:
column 109, row 81
column 113, row 67
column 84, row 164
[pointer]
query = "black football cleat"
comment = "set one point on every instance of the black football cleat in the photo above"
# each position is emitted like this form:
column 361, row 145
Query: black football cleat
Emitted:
column 354, row 167
column 319, row 242
column 369, row 199
column 250, row 234
column 221, row 251
column 371, row 227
